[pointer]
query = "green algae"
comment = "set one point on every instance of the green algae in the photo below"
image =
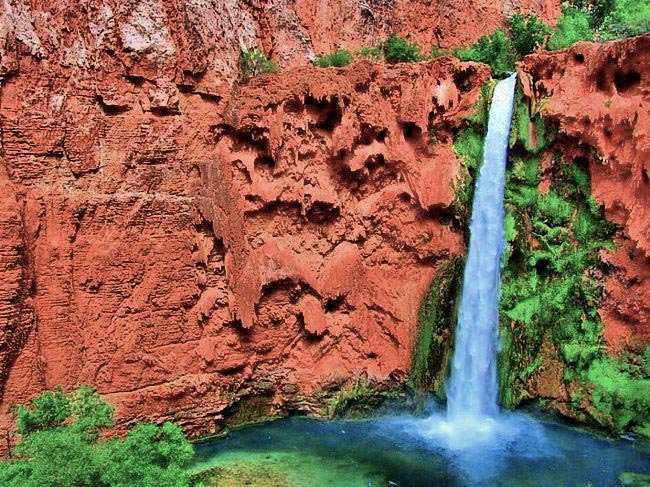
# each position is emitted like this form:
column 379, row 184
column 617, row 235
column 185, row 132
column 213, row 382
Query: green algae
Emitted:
column 283, row 469
column 468, row 147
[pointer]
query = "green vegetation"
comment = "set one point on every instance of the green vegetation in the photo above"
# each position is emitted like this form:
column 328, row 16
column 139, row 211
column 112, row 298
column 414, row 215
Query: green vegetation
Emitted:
column 468, row 146
column 373, row 52
column 552, row 283
column 625, row 18
column 573, row 26
column 528, row 128
column 337, row 59
column 528, row 33
column 494, row 49
column 398, row 50
column 60, row 447
column 255, row 62
column 584, row 20
column 437, row 320
column 501, row 49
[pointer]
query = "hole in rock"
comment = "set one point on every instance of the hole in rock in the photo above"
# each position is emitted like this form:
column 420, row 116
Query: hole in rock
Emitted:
column 603, row 82
column 579, row 58
column 334, row 304
column 327, row 113
column 111, row 109
column 411, row 131
column 369, row 134
column 625, row 82
column 308, row 336
column 264, row 162
column 463, row 79
column 293, row 105
column 321, row 212
column 135, row 80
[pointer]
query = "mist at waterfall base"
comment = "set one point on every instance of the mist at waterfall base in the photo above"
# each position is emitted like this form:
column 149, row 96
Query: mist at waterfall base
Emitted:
column 471, row 442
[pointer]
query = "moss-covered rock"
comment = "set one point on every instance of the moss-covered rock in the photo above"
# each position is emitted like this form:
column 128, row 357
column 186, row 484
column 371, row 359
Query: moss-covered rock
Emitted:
column 552, row 284
column 437, row 321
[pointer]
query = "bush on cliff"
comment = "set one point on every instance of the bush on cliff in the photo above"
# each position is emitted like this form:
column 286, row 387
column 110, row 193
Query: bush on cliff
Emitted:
column 528, row 33
column 337, row 59
column 398, row 50
column 60, row 447
column 494, row 49
column 370, row 52
column 626, row 18
column 574, row 26
column 254, row 62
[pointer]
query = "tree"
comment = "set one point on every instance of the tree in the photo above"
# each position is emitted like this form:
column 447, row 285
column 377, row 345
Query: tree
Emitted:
column 574, row 25
column 255, row 62
column 494, row 50
column 398, row 50
column 528, row 33
column 60, row 447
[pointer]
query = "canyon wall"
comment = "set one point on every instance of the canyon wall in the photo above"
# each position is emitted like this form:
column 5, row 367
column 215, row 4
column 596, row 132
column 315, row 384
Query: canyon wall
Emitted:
column 599, row 98
column 196, row 245
column 199, row 246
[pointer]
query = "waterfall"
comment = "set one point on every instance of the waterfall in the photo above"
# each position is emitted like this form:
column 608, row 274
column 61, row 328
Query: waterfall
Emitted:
column 472, row 389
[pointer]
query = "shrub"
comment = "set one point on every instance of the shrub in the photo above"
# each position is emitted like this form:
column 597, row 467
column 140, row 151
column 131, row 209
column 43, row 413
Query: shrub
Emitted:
column 254, row 62
column 574, row 25
column 338, row 59
column 437, row 52
column 373, row 52
column 626, row 18
column 398, row 50
column 527, row 33
column 494, row 50
column 59, row 447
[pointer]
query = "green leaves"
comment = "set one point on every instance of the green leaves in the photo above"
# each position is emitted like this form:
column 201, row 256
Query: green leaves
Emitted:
column 60, row 448
column 398, row 50
column 337, row 59
column 255, row 62
column 528, row 33
column 574, row 25
column 494, row 50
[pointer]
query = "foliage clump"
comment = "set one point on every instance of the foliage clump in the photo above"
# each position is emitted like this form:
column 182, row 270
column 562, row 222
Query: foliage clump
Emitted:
column 573, row 26
column 468, row 147
column 585, row 20
column 60, row 447
column 399, row 50
column 337, row 59
column 254, row 62
column 527, row 33
column 494, row 49
column 437, row 319
column 370, row 52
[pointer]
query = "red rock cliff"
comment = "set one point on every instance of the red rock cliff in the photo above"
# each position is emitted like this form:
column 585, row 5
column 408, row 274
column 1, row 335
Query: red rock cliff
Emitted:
column 182, row 240
column 599, row 97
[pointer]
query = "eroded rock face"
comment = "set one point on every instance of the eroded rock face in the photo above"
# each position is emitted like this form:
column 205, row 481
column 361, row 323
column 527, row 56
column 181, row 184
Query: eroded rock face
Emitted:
column 599, row 96
column 181, row 244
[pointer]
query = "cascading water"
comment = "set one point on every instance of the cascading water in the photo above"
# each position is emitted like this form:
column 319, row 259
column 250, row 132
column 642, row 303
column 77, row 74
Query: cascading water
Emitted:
column 473, row 428
column 472, row 390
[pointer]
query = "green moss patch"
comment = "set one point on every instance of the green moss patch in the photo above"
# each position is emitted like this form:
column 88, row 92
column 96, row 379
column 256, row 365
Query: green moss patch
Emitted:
column 552, row 284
